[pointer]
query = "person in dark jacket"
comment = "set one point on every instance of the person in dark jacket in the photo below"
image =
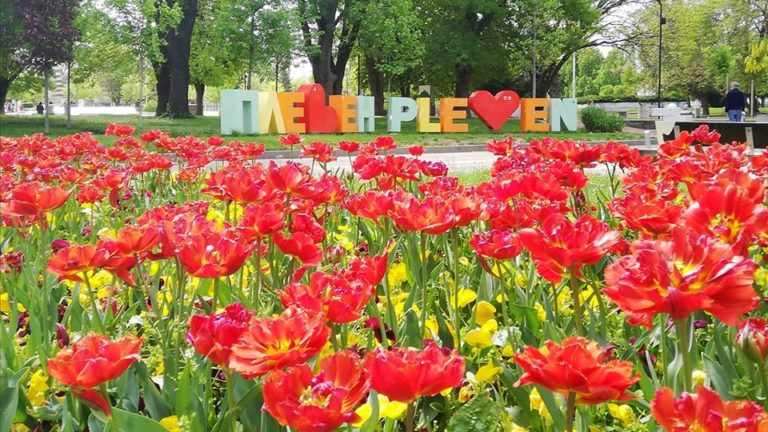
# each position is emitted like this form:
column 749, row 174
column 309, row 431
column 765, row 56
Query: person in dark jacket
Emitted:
column 735, row 102
column 40, row 109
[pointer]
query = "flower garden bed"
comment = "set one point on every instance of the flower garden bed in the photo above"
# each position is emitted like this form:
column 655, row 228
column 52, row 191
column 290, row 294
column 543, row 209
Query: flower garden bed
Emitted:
column 137, row 292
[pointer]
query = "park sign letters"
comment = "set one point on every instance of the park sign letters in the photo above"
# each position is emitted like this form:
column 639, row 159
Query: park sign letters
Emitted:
column 253, row 112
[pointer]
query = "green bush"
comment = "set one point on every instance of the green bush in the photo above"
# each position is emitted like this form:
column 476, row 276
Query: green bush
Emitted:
column 150, row 106
column 670, row 96
column 596, row 119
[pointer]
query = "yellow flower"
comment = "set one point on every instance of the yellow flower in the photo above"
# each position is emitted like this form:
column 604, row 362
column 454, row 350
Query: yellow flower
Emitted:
column 699, row 376
column 396, row 274
column 761, row 276
column 623, row 413
column 466, row 296
column 19, row 427
column 507, row 351
column 5, row 304
column 478, row 339
column 38, row 386
column 537, row 404
column 465, row 394
column 488, row 372
column 483, row 312
column 343, row 241
column 171, row 423
column 432, row 329
column 541, row 314
column 387, row 409
column 215, row 216
column 517, row 428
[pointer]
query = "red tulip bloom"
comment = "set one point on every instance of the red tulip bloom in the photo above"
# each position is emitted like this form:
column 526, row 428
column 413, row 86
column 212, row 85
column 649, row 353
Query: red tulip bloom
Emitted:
column 727, row 213
column 372, row 269
column 290, row 178
column 340, row 296
column 299, row 245
column 92, row 361
column 433, row 215
column 90, row 194
column 215, row 141
column 317, row 403
column 33, row 199
column 152, row 135
column 753, row 339
column 559, row 244
column 371, row 204
column 132, row 240
column 290, row 139
column 404, row 374
column 496, row 244
column 262, row 220
column 680, row 276
column 213, row 254
column 72, row 261
column 416, row 150
column 319, row 151
column 119, row 130
column 650, row 217
column 213, row 335
column 705, row 411
column 271, row 344
column 349, row 146
column 578, row 366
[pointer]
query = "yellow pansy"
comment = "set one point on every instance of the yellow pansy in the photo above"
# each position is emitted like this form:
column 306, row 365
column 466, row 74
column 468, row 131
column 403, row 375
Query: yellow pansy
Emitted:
column 38, row 386
column 466, row 296
column 517, row 428
column 541, row 314
column 508, row 351
column 171, row 423
column 396, row 274
column 343, row 241
column 537, row 404
column 623, row 413
column 432, row 329
column 465, row 393
column 5, row 304
column 761, row 276
column 478, row 339
column 484, row 311
column 488, row 372
column 215, row 216
column 387, row 409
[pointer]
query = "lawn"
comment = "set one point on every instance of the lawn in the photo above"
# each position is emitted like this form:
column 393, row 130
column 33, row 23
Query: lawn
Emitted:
column 208, row 126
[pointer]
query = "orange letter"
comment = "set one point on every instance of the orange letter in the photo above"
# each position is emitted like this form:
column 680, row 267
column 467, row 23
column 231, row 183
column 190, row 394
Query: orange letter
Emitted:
column 346, row 109
column 531, row 111
column 292, row 111
column 449, row 113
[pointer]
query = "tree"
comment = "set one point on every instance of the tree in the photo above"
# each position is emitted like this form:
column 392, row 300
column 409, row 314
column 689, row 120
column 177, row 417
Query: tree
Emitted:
column 391, row 40
column 463, row 38
column 172, row 68
column 329, row 29
column 37, row 35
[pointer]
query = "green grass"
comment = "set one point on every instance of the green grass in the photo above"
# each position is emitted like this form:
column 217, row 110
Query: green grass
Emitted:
column 11, row 126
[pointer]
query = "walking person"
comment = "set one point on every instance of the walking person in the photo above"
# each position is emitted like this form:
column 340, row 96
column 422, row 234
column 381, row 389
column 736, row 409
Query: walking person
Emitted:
column 735, row 102
column 39, row 107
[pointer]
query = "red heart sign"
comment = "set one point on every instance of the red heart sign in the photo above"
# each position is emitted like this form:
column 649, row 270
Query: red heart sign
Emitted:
column 318, row 117
column 494, row 111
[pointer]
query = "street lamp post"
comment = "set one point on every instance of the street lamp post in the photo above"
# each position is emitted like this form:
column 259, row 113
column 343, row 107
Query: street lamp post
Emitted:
column 662, row 21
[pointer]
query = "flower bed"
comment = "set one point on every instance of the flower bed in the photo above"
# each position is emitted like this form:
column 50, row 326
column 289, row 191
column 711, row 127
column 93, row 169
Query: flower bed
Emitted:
column 141, row 292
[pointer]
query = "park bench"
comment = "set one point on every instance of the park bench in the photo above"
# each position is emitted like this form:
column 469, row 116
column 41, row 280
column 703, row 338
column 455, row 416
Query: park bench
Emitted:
column 753, row 133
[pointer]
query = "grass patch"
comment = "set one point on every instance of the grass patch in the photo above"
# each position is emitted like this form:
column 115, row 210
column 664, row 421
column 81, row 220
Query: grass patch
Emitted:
column 13, row 126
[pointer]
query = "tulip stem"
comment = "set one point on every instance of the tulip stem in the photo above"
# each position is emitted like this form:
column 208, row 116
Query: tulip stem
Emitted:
column 409, row 414
column 681, row 328
column 570, row 411
column 576, row 299
column 424, row 278
column 456, row 277
column 94, row 305
column 763, row 378
column 257, row 273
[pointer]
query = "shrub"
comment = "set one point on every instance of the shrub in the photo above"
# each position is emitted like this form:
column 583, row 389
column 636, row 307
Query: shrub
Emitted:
column 596, row 119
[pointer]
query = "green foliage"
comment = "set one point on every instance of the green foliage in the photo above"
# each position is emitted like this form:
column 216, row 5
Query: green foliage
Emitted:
column 481, row 414
column 596, row 119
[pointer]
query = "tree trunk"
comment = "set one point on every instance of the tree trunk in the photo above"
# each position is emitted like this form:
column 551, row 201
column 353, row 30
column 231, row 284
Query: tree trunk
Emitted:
column 47, row 108
column 199, row 92
column 178, row 40
column 463, row 80
column 69, row 95
column 162, row 88
column 376, row 82
column 250, row 56
column 5, row 84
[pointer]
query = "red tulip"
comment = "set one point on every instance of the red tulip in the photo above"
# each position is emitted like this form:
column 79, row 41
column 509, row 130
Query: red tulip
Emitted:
column 416, row 150
column 132, row 240
column 301, row 246
column 214, row 335
column 90, row 194
column 33, row 199
column 213, row 254
column 705, row 411
column 72, row 261
column 262, row 220
column 215, row 141
column 319, row 151
column 496, row 244
column 290, row 139
column 317, row 403
column 273, row 343
column 680, row 276
column 752, row 338
column 119, row 130
column 92, row 361
column 349, row 146
column 433, row 215
column 560, row 244
column 650, row 217
column 577, row 366
column 340, row 296
column 404, row 374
